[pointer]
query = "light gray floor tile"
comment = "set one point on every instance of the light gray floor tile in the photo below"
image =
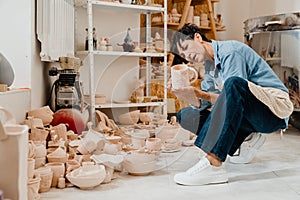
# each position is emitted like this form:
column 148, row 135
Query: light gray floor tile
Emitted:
column 274, row 174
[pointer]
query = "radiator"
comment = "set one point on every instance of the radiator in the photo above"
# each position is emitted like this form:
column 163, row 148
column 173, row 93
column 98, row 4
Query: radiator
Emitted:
column 55, row 28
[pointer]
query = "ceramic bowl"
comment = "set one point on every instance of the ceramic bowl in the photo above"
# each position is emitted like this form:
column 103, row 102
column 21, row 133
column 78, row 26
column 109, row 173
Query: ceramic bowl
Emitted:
column 166, row 132
column 87, row 179
column 129, row 118
column 140, row 169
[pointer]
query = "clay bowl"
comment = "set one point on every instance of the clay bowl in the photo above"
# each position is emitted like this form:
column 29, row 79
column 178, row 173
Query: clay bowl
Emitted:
column 113, row 139
column 141, row 169
column 129, row 118
column 87, row 179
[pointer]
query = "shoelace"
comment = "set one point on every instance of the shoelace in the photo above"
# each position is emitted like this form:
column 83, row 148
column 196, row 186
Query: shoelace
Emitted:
column 198, row 167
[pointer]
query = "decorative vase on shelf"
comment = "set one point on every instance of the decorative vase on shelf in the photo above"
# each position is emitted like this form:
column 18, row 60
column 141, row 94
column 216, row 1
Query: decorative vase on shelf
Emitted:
column 7, row 74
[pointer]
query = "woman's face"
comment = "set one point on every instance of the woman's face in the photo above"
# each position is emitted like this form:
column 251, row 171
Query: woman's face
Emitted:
column 192, row 51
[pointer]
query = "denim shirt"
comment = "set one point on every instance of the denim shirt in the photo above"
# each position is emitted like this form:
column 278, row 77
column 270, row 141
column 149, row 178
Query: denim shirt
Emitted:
column 233, row 58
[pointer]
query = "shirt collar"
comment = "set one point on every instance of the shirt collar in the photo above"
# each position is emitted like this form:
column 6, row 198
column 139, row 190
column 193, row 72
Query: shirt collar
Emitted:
column 215, row 46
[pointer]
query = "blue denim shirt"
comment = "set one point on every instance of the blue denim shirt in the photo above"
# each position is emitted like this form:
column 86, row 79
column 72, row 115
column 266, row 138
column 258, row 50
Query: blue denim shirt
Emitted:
column 233, row 58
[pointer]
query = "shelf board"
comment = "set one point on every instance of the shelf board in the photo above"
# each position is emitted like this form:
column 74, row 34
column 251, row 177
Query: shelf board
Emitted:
column 175, row 25
column 121, row 53
column 122, row 7
column 125, row 105
column 273, row 59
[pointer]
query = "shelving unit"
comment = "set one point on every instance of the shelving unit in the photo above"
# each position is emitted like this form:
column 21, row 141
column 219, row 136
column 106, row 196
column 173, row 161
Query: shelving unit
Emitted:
column 93, row 6
column 208, row 8
column 279, row 46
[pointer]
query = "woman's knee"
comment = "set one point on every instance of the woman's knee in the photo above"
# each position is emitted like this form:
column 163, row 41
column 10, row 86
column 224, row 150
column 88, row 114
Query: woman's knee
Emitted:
column 235, row 82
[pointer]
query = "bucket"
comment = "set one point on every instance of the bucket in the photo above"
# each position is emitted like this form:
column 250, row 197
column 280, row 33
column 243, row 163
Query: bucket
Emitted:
column 13, row 157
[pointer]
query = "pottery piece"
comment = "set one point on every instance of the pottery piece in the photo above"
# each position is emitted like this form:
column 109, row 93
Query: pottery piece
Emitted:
column 112, row 149
column 171, row 145
column 86, row 147
column 113, row 139
column 146, row 117
column 31, row 149
column 30, row 167
column 61, row 131
column 139, row 163
column 58, row 171
column 32, row 122
column 61, row 183
column 46, row 175
column 138, row 138
column 87, row 179
column 44, row 113
column 40, row 162
column 38, row 134
column 166, row 132
column 129, row 118
column 183, row 75
column 153, row 144
column 40, row 149
column 33, row 188
column 71, row 165
column 59, row 155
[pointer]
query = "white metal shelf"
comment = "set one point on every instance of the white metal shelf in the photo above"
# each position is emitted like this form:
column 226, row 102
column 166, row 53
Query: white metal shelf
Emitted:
column 120, row 53
column 122, row 7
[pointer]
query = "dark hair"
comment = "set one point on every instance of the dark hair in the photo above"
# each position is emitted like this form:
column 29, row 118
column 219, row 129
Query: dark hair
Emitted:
column 187, row 32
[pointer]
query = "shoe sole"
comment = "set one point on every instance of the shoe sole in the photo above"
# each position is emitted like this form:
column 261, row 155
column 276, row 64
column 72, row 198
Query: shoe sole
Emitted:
column 257, row 145
column 204, row 181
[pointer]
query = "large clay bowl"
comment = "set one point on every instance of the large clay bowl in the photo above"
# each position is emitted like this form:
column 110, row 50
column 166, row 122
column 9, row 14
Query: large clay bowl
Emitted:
column 87, row 180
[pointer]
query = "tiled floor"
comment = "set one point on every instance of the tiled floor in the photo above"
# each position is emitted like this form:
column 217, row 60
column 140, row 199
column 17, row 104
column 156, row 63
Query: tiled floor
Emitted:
column 273, row 174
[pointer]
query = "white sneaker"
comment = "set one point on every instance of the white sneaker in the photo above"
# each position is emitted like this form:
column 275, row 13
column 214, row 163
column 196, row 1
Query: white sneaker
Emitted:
column 202, row 173
column 248, row 149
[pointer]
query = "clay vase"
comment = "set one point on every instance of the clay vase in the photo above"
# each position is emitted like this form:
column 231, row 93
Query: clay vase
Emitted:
column 58, row 170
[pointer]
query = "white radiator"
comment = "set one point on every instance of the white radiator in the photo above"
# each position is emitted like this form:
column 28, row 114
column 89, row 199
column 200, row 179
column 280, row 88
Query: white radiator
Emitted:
column 55, row 28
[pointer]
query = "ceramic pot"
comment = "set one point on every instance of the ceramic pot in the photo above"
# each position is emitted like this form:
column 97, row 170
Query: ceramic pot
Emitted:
column 183, row 75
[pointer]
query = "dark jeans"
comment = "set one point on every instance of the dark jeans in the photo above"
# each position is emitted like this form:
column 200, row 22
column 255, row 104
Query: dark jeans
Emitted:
column 236, row 114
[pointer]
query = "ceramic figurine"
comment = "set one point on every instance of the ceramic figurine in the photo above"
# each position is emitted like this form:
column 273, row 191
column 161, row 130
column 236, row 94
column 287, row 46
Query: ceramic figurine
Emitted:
column 128, row 45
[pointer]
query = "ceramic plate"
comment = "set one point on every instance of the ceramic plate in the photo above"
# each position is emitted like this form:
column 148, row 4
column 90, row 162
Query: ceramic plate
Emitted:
column 163, row 150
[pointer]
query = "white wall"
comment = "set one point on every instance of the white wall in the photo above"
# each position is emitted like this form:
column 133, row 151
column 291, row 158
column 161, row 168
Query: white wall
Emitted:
column 235, row 12
column 18, row 43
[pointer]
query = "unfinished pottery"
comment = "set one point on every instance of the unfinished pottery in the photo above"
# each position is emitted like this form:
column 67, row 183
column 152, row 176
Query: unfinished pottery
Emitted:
column 87, row 178
column 153, row 144
column 183, row 75
column 58, row 171
column 30, row 167
column 129, row 118
column 43, row 113
column 33, row 188
column 46, row 175
column 38, row 134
